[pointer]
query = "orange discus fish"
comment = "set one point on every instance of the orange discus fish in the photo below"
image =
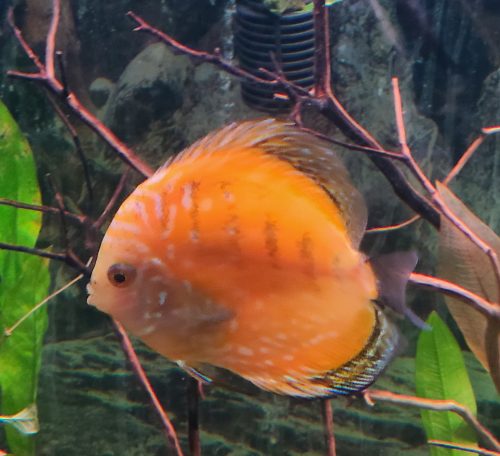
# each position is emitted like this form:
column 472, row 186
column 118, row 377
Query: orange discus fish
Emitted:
column 242, row 252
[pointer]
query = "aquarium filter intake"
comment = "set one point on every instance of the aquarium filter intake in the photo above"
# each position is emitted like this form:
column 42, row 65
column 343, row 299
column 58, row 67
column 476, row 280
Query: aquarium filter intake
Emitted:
column 259, row 33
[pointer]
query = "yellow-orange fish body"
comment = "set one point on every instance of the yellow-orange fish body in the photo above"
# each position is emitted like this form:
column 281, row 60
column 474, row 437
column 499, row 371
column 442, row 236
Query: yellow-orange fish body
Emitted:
column 234, row 254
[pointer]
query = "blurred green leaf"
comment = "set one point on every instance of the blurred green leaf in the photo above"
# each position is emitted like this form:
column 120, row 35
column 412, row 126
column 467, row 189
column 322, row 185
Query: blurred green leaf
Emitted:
column 440, row 374
column 24, row 281
column 464, row 263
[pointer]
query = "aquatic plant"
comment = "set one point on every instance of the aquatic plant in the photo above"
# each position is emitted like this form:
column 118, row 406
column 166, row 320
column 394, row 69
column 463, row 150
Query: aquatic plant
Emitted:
column 429, row 202
column 24, row 280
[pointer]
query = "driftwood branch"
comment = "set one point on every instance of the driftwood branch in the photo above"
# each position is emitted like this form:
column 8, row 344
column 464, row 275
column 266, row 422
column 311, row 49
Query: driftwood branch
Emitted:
column 47, row 77
column 491, row 310
column 489, row 440
column 325, row 102
column 327, row 411
column 139, row 370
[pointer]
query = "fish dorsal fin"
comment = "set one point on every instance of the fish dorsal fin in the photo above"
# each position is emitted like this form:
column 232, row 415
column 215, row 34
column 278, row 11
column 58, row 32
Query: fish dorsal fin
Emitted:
column 303, row 151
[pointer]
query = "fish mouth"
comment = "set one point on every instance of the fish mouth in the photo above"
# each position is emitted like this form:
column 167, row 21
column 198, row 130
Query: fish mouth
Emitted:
column 90, row 295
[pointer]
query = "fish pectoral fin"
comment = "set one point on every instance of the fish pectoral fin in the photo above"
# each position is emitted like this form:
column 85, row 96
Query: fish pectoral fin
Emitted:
column 196, row 374
column 393, row 271
column 26, row 421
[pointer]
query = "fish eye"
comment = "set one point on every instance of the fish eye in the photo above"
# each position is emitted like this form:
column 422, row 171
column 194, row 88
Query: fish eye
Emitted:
column 121, row 274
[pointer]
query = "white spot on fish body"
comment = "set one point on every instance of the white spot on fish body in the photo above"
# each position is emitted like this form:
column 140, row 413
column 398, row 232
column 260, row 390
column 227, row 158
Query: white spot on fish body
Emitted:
column 172, row 212
column 228, row 196
column 170, row 251
column 233, row 326
column 268, row 362
column 147, row 330
column 187, row 285
column 187, row 196
column 125, row 226
column 194, row 235
column 158, row 262
column 135, row 245
column 162, row 297
column 156, row 177
column 245, row 351
column 141, row 211
column 288, row 357
column 281, row 336
column 206, row 204
column 264, row 350
column 157, row 201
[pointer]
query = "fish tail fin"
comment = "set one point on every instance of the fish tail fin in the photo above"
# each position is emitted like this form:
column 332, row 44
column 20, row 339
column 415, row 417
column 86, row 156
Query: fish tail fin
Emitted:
column 393, row 271
column 26, row 421
column 360, row 372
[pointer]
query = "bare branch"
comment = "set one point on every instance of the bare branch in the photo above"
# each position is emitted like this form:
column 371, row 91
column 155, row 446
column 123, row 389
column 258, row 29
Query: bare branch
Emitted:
column 139, row 371
column 67, row 258
column 405, row 150
column 397, row 226
column 46, row 77
column 76, row 142
column 46, row 209
column 465, row 158
column 112, row 201
column 51, row 39
column 200, row 56
column 350, row 146
column 491, row 310
column 437, row 405
column 327, row 411
column 8, row 331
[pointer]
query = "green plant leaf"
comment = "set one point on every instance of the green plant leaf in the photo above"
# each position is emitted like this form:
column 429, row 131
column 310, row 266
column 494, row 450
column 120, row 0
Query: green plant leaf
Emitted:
column 464, row 263
column 24, row 281
column 440, row 374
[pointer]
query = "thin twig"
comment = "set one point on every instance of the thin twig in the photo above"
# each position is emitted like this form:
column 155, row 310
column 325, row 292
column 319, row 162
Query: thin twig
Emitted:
column 46, row 77
column 139, row 371
column 465, row 158
column 78, row 146
column 112, row 201
column 397, row 226
column 454, row 446
column 328, row 105
column 405, row 150
column 437, row 405
column 40, row 208
column 491, row 310
column 200, row 56
column 327, row 410
column 355, row 147
column 51, row 39
column 27, row 49
column 64, row 257
column 8, row 331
